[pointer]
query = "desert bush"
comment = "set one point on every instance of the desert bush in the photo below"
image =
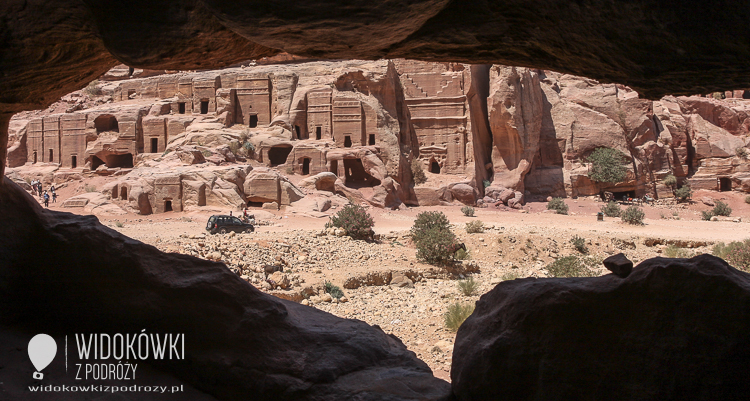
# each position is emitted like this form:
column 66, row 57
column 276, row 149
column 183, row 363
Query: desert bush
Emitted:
column 334, row 290
column 417, row 172
column 90, row 188
column 436, row 246
column 611, row 209
column 673, row 251
column 670, row 180
column 707, row 214
column 747, row 199
column 468, row 286
column 633, row 215
column 92, row 89
column 456, row 315
column 468, row 211
column 474, row 227
column 721, row 209
column 355, row 220
column 579, row 243
column 741, row 152
column 511, row 275
column 463, row 254
column 558, row 205
column 427, row 220
column 486, row 183
column 683, row 193
column 607, row 165
column 206, row 153
column 119, row 224
column 249, row 147
column 719, row 95
column 234, row 147
column 736, row 253
column 569, row 266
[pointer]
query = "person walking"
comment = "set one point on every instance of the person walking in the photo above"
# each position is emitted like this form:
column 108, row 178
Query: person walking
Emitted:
column 54, row 197
column 46, row 199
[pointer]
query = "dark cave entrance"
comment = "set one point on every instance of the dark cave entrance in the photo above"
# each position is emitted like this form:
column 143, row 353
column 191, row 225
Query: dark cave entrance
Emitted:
column 181, row 108
column 434, row 167
column 356, row 176
column 372, row 139
column 306, row 166
column 725, row 184
column 348, row 141
column 154, row 145
column 277, row 155
column 106, row 123
column 318, row 133
column 167, row 205
column 123, row 193
column 204, row 106
column 73, row 161
column 335, row 167
column 253, row 121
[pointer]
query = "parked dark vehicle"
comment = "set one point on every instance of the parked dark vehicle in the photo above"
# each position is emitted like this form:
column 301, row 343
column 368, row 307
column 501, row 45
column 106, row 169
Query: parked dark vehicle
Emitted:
column 223, row 224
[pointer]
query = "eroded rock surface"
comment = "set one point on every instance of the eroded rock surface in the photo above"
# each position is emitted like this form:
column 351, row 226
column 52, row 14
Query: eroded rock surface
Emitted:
column 673, row 329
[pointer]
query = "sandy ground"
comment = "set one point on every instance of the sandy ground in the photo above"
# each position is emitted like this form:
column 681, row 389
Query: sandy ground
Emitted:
column 516, row 244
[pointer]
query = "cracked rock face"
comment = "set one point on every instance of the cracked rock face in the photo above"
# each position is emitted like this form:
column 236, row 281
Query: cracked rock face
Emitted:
column 673, row 329
column 62, row 274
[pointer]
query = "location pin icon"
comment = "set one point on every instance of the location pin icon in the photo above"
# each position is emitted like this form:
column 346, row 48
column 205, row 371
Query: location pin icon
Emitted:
column 42, row 350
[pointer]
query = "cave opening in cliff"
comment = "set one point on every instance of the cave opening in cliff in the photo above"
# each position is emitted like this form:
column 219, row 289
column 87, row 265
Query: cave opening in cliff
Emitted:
column 73, row 161
column 154, row 145
column 355, row 175
column 95, row 163
column 318, row 133
column 296, row 129
column 34, row 156
column 204, row 106
column 746, row 94
column 725, row 184
column 306, row 166
column 123, row 193
column 181, row 107
column 167, row 205
column 335, row 167
column 51, row 155
column 434, row 167
column 253, row 121
column 372, row 139
column 121, row 161
column 623, row 195
column 348, row 141
column 106, row 122
column 277, row 155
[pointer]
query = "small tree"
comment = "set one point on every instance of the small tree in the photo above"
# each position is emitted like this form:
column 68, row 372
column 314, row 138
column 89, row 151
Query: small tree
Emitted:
column 558, row 205
column 611, row 209
column 721, row 209
column 633, row 215
column 417, row 172
column 683, row 193
column 437, row 246
column 427, row 220
column 355, row 220
column 669, row 181
column 607, row 166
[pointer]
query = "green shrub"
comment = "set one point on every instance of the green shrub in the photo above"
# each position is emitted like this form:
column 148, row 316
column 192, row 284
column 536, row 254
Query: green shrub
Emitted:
column 683, row 193
column 721, row 209
column 206, row 153
column 633, row 215
column 611, row 209
column 119, row 224
column 569, row 266
column 468, row 286
column 334, row 290
column 558, row 205
column 707, row 214
column 93, row 88
column 673, row 251
column 741, row 152
column 249, row 147
column 417, row 172
column 486, row 183
column 456, row 315
column 747, row 199
column 579, row 243
column 427, row 220
column 355, row 220
column 437, row 246
column 468, row 211
column 463, row 254
column 474, row 227
column 607, row 165
column 736, row 253
column 719, row 95
column 670, row 180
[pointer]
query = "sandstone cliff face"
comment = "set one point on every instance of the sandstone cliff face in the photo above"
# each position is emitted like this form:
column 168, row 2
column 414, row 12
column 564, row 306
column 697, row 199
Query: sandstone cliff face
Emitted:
column 475, row 131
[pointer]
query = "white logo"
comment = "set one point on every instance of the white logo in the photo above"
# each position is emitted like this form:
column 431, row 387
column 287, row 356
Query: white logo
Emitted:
column 42, row 350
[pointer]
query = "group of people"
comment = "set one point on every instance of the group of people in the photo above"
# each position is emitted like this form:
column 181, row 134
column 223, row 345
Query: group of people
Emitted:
column 36, row 189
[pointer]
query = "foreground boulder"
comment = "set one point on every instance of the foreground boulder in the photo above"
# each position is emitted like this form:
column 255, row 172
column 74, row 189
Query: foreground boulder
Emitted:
column 62, row 274
column 674, row 329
